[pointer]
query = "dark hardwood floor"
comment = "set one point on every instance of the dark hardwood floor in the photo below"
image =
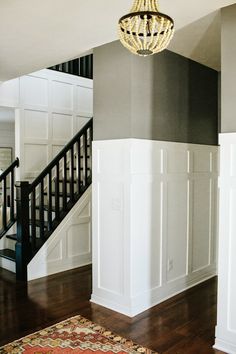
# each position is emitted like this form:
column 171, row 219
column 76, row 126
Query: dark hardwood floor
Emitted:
column 183, row 324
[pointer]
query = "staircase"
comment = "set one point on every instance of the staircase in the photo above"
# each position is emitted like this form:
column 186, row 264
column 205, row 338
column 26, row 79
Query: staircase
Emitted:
column 42, row 205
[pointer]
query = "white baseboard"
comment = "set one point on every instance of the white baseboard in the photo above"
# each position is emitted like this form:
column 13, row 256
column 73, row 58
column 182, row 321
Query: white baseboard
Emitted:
column 112, row 305
column 151, row 298
column 224, row 346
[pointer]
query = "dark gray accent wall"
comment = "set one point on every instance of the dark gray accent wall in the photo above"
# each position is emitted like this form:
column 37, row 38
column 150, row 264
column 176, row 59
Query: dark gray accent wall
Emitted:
column 112, row 92
column 162, row 97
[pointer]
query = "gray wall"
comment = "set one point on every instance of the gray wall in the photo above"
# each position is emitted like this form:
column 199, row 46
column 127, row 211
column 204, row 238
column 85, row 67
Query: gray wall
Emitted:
column 228, row 69
column 162, row 97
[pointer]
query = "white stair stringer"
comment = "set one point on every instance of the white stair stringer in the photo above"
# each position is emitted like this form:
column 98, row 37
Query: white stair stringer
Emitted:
column 8, row 265
column 69, row 246
column 10, row 244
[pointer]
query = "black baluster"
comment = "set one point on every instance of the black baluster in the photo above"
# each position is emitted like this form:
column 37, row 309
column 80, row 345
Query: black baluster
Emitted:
column 64, row 186
column 87, row 66
column 83, row 67
column 41, row 210
column 75, row 67
column 12, row 202
column 57, row 190
column 78, row 171
column 23, row 250
column 71, row 67
column 90, row 150
column 72, row 179
column 85, row 158
column 33, row 220
column 50, row 201
column 65, row 67
column 91, row 68
column 4, row 206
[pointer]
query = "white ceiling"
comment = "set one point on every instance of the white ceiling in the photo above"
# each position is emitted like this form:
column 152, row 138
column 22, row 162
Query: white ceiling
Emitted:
column 36, row 34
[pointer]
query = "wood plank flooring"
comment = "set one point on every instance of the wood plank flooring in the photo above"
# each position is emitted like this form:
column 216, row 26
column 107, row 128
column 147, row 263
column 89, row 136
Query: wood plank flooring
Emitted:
column 184, row 324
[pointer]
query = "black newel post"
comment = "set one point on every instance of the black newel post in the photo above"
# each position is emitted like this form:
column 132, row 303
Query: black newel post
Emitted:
column 23, row 241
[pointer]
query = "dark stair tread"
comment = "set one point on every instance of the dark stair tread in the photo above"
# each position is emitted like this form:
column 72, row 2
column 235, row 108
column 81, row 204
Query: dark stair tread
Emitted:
column 38, row 241
column 12, row 237
column 8, row 254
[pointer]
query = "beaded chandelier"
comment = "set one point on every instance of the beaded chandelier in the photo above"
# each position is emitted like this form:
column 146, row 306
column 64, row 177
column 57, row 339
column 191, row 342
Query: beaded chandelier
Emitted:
column 145, row 30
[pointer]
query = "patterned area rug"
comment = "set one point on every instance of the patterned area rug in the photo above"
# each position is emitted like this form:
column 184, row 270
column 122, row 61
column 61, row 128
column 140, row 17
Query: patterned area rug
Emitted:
column 75, row 335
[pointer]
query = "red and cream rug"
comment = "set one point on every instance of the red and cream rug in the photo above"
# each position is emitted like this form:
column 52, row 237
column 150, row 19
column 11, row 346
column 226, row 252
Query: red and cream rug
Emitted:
column 75, row 335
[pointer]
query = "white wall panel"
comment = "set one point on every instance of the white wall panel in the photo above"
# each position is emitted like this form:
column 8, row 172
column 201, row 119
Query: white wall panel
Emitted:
column 35, row 159
column 177, row 228
column 146, row 250
column 202, row 161
column 178, row 161
column 55, row 254
column 34, row 91
column 201, row 223
column 35, row 124
column 152, row 159
column 84, row 97
column 62, row 126
column 111, row 209
column 154, row 207
column 78, row 242
column 70, row 244
column 62, row 93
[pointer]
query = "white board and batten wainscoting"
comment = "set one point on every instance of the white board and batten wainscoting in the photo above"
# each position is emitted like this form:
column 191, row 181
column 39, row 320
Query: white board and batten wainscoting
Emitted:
column 50, row 108
column 154, row 221
column 226, row 311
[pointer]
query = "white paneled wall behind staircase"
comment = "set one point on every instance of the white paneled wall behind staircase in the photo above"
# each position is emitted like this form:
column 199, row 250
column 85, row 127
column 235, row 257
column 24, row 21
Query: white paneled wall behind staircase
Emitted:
column 154, row 221
column 51, row 107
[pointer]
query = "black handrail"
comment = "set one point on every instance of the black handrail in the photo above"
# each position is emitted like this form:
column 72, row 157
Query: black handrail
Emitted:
column 9, row 169
column 7, row 181
column 42, row 205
